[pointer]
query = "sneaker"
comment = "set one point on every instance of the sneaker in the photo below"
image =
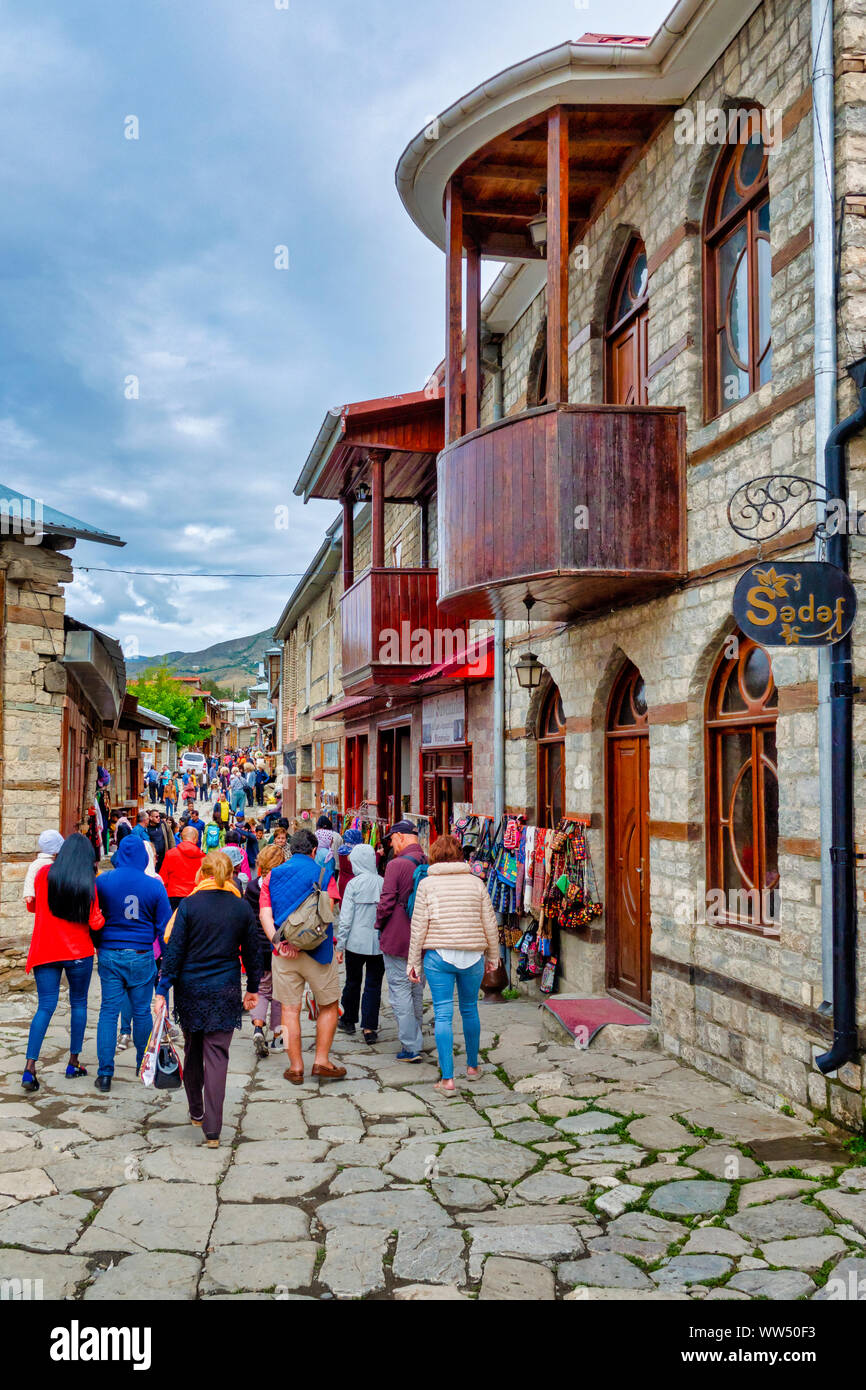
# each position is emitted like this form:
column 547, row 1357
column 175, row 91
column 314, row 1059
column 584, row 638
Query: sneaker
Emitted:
column 124, row 1041
column 260, row 1043
column 406, row 1056
column 276, row 1043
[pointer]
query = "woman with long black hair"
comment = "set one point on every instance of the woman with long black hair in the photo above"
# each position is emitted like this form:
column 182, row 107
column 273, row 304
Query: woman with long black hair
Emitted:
column 67, row 911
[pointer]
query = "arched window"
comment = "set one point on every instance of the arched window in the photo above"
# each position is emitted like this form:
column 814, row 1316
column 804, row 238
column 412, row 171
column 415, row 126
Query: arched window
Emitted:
column 626, row 329
column 551, row 760
column 742, row 789
column 737, row 274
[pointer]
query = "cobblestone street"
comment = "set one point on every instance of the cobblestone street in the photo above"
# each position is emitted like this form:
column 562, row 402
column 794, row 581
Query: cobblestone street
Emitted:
column 610, row 1173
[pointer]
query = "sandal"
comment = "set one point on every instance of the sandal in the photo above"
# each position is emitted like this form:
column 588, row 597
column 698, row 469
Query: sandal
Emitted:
column 473, row 1074
column 445, row 1090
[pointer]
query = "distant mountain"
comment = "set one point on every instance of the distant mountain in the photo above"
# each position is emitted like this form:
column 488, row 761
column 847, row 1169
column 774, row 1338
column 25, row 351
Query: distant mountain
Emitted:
column 233, row 663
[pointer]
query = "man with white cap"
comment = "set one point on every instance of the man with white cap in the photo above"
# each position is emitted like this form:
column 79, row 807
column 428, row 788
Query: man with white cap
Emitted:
column 48, row 844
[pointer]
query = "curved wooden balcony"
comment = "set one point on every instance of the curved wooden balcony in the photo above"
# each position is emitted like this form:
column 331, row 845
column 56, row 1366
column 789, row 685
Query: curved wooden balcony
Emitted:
column 392, row 629
column 583, row 506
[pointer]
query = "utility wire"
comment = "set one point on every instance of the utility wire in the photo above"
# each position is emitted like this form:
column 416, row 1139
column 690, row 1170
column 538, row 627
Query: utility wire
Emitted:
column 183, row 574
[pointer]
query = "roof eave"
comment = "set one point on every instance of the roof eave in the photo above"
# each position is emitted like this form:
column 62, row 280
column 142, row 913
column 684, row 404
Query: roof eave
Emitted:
column 662, row 72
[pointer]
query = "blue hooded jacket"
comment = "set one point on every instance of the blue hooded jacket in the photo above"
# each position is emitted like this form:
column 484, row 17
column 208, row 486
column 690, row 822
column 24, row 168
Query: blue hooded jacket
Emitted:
column 135, row 906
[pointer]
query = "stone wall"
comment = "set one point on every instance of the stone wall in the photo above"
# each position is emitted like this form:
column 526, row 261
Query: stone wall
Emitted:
column 32, row 690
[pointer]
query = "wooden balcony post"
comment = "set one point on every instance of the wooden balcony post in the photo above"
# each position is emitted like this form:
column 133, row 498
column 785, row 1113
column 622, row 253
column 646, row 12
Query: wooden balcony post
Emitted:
column 348, row 541
column 377, row 486
column 557, row 256
column 454, row 296
column 473, row 339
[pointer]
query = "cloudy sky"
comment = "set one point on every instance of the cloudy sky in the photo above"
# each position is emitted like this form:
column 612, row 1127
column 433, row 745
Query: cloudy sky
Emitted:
column 152, row 259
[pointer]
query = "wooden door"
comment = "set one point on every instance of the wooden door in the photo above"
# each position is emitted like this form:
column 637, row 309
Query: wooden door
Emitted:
column 628, row 888
column 627, row 331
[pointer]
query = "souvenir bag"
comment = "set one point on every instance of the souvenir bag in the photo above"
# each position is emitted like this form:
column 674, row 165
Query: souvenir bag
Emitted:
column 480, row 861
column 548, row 976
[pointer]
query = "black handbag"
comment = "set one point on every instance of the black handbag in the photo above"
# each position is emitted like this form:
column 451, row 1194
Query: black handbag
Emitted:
column 169, row 1074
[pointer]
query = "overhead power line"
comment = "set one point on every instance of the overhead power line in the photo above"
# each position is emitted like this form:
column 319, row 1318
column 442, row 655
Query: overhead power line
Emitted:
column 182, row 574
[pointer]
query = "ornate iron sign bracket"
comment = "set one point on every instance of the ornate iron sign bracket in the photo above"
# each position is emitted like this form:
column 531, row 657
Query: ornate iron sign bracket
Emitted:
column 763, row 508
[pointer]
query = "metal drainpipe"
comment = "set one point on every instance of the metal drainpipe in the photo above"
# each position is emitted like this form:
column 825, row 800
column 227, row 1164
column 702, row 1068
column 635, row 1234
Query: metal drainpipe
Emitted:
column 844, row 901
column 498, row 669
column 824, row 291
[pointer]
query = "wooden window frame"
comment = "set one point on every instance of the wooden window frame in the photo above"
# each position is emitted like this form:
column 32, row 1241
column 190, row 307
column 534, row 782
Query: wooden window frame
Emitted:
column 715, row 728
column 715, row 233
column 545, row 741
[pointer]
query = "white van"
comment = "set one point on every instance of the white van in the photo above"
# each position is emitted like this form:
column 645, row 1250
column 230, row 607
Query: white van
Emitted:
column 192, row 761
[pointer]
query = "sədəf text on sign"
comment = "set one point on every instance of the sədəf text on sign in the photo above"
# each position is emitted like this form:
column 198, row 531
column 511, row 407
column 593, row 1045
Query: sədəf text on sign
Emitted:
column 806, row 602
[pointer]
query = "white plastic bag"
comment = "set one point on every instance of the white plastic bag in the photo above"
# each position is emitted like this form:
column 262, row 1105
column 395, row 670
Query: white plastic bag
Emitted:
column 151, row 1052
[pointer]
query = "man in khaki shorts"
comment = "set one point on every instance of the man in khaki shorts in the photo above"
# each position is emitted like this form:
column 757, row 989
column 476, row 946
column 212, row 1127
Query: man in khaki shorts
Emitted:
column 283, row 890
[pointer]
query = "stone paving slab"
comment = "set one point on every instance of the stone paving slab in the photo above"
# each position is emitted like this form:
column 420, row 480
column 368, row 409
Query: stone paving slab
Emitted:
column 570, row 1174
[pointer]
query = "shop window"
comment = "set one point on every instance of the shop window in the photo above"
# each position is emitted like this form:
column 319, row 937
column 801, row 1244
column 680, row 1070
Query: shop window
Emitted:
column 737, row 275
column 626, row 329
column 742, row 790
column 551, row 760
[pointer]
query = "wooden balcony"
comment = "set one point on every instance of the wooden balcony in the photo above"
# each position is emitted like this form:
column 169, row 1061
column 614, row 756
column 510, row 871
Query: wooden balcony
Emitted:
column 583, row 506
column 392, row 629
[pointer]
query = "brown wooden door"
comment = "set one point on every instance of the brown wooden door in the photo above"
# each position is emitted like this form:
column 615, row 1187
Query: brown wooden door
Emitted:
column 628, row 887
column 627, row 331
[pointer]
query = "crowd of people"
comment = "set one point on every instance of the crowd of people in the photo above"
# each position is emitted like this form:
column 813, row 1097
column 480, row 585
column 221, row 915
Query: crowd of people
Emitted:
column 203, row 921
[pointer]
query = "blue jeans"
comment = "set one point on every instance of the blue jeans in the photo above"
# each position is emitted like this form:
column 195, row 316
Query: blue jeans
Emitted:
column 122, row 975
column 238, row 802
column 48, row 977
column 441, row 978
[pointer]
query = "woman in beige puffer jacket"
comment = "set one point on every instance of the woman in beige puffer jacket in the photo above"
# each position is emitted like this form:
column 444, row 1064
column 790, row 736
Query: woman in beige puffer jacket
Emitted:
column 454, row 926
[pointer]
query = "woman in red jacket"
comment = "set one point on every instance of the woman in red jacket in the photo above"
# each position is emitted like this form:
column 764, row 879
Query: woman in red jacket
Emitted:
column 67, row 911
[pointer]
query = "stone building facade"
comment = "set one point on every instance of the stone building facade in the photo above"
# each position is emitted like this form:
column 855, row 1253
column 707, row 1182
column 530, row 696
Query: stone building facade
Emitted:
column 740, row 1004
column 34, row 686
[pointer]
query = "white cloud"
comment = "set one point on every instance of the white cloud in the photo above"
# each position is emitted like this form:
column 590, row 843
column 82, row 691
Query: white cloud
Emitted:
column 204, row 429
column 15, row 439
column 208, row 535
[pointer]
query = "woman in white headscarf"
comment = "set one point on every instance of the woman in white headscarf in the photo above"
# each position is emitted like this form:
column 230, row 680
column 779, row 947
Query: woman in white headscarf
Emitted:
column 48, row 846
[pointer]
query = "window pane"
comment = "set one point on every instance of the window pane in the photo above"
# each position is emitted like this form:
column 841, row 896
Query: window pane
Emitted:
column 730, row 198
column 626, row 713
column 732, row 700
column 739, row 866
column 751, row 161
column 771, row 812
column 756, row 673
column 639, row 697
column 737, row 305
column 639, row 276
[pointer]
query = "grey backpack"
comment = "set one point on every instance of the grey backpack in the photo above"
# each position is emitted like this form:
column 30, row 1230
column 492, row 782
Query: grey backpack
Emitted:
column 307, row 927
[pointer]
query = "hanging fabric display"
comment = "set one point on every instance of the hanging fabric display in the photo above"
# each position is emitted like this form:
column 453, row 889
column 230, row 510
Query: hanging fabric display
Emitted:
column 571, row 897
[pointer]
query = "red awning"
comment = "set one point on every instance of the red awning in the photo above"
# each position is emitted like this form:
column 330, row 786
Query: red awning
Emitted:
column 475, row 664
column 351, row 702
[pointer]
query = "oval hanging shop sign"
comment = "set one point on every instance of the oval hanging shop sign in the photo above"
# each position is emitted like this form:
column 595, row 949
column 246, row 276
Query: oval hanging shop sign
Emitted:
column 807, row 601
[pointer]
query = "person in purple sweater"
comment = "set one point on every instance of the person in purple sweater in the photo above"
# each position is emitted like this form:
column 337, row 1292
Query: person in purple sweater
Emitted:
column 392, row 922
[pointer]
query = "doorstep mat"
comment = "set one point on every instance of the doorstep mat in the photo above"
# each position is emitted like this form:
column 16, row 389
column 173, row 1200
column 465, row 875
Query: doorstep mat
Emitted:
column 591, row 1014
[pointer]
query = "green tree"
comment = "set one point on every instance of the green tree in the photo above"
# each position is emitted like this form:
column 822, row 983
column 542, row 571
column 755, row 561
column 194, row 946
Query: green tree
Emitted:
column 157, row 689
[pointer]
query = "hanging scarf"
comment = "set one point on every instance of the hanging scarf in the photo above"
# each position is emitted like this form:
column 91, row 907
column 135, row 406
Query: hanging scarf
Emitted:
column 204, row 885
